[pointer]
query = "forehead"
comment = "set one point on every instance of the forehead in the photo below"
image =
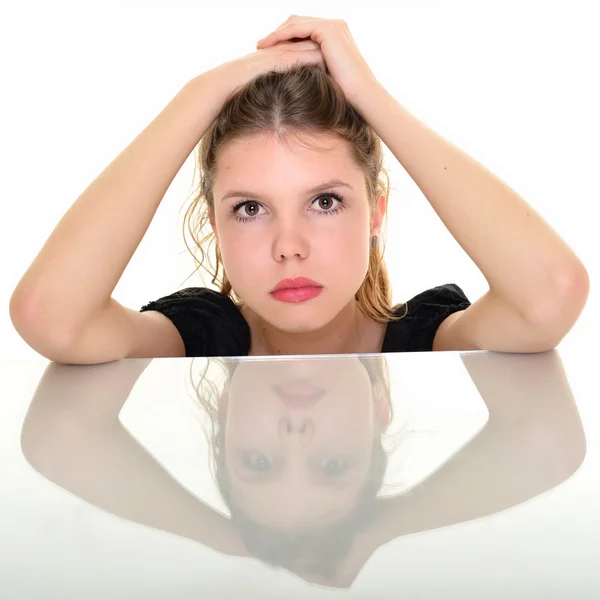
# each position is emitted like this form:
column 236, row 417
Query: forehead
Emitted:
column 292, row 509
column 261, row 154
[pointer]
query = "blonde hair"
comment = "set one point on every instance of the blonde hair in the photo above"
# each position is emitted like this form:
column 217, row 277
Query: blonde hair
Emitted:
column 302, row 99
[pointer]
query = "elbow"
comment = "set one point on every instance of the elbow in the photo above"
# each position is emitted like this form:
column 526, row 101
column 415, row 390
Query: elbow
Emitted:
column 569, row 299
column 34, row 329
column 573, row 289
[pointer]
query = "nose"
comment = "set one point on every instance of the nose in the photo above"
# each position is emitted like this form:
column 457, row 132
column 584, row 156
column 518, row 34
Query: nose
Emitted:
column 300, row 428
column 290, row 242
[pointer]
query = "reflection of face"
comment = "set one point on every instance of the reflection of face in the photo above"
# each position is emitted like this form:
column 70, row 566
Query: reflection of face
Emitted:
column 289, row 231
column 298, row 439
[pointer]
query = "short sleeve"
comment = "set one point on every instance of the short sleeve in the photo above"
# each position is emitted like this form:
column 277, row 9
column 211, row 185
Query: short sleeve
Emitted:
column 209, row 323
column 426, row 311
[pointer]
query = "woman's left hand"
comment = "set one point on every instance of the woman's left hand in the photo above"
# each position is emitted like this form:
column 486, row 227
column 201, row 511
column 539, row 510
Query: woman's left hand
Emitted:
column 344, row 61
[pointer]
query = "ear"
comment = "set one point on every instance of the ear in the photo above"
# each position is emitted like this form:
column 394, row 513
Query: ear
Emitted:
column 378, row 213
column 223, row 406
column 213, row 226
column 381, row 406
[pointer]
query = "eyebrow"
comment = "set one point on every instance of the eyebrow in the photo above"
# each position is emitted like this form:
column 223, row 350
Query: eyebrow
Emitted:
column 270, row 478
column 274, row 476
column 314, row 190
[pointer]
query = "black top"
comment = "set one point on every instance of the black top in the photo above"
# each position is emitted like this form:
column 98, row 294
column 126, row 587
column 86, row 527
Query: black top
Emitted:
column 210, row 324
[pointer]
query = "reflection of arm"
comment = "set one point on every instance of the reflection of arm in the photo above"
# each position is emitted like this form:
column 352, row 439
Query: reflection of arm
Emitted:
column 533, row 442
column 73, row 437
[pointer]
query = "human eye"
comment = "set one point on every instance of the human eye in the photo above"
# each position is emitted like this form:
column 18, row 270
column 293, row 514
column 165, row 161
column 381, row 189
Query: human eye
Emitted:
column 250, row 209
column 333, row 467
column 325, row 204
column 257, row 461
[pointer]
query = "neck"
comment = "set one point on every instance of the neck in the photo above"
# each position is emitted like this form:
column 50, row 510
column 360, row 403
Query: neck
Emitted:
column 350, row 332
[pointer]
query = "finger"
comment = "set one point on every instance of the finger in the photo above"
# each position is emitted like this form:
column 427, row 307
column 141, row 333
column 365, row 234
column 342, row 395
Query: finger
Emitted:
column 302, row 29
column 293, row 18
column 314, row 57
column 283, row 24
column 301, row 45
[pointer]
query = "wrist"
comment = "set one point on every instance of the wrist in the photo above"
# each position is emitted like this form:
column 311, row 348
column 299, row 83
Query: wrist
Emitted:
column 210, row 89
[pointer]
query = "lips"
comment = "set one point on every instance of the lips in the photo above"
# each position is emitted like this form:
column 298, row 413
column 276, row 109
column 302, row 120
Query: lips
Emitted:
column 300, row 393
column 298, row 282
column 296, row 291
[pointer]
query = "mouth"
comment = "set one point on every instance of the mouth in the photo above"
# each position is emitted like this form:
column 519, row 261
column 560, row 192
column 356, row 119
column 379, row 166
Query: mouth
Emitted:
column 300, row 393
column 299, row 289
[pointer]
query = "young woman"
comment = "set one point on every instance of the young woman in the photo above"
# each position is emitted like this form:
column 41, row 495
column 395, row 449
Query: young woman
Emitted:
column 293, row 188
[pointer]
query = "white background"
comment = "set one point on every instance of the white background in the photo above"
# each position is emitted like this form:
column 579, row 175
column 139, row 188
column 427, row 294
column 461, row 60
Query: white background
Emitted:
column 514, row 84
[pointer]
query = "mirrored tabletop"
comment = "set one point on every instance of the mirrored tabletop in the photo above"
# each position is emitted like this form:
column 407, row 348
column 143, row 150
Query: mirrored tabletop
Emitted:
column 416, row 475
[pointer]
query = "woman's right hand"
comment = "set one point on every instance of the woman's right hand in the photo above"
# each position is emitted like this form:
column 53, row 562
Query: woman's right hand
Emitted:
column 236, row 73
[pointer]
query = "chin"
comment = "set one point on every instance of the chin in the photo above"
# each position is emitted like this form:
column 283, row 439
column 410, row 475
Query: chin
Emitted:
column 301, row 317
column 294, row 319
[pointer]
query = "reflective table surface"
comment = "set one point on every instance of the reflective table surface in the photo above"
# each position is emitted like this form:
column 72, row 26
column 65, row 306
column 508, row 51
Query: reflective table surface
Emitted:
column 415, row 475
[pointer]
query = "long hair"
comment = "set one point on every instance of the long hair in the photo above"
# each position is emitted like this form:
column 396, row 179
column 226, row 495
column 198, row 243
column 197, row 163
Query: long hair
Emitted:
column 303, row 99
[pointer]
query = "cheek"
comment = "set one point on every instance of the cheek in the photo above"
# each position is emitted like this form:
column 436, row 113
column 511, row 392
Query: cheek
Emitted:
column 346, row 254
column 251, row 420
column 333, row 423
column 243, row 251
column 339, row 250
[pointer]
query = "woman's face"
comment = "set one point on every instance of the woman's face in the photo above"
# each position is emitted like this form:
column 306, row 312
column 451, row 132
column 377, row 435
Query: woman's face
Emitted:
column 298, row 439
column 288, row 229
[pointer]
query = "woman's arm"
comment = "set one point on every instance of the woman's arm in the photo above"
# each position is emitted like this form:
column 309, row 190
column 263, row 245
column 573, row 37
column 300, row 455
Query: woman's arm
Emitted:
column 533, row 442
column 538, row 286
column 73, row 276
column 73, row 437
column 70, row 282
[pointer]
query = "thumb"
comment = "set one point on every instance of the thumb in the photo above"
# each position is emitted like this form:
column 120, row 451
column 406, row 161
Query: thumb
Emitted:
column 301, row 57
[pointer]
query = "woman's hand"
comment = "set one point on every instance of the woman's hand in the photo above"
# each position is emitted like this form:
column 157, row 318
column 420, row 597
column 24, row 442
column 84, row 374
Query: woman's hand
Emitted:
column 236, row 73
column 342, row 57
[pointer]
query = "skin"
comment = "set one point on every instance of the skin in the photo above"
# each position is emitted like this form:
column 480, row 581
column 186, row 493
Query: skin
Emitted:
column 294, row 468
column 296, row 233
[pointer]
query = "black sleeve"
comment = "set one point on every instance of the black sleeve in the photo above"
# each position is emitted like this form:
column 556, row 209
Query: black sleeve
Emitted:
column 415, row 331
column 428, row 309
column 209, row 323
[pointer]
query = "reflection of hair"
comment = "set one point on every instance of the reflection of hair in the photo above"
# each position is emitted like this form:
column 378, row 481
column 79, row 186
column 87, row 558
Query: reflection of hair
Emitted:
column 319, row 550
column 303, row 99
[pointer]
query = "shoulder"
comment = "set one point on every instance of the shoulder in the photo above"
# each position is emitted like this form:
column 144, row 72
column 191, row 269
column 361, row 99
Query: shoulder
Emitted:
column 421, row 317
column 192, row 298
column 209, row 322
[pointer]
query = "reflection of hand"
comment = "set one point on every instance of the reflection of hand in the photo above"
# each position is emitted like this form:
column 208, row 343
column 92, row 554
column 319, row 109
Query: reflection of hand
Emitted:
column 342, row 57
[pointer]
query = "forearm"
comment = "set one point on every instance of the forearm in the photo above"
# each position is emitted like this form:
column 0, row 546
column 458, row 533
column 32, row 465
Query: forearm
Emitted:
column 72, row 436
column 524, row 261
column 77, row 269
